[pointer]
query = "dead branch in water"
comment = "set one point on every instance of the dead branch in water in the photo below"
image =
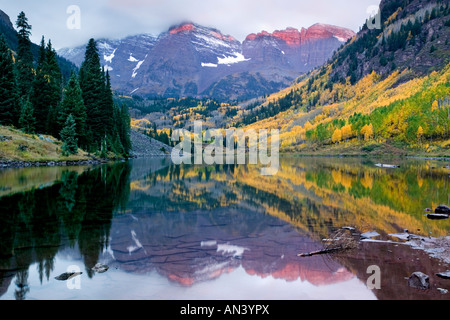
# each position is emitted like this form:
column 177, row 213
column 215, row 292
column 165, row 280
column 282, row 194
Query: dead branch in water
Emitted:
column 341, row 240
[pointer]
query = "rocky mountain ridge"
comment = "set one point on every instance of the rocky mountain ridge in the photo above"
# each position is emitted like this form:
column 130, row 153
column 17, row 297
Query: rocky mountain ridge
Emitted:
column 197, row 61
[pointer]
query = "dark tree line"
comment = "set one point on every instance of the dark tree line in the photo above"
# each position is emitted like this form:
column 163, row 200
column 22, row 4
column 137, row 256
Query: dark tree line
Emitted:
column 34, row 98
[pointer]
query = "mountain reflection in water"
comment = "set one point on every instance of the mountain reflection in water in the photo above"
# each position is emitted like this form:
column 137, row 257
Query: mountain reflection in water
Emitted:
column 202, row 232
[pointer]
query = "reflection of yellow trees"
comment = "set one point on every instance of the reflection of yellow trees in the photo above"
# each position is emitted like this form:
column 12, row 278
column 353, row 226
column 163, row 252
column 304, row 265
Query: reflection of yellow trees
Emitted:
column 342, row 178
column 139, row 185
column 367, row 180
column 419, row 181
column 26, row 179
column 362, row 211
column 315, row 194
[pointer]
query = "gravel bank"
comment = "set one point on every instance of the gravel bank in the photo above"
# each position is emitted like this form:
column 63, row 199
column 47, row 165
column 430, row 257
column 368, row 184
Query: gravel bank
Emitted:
column 143, row 146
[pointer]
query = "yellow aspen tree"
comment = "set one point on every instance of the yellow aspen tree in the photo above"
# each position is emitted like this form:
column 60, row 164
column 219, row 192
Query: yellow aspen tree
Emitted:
column 346, row 132
column 337, row 136
column 435, row 105
column 368, row 133
column 420, row 134
column 308, row 126
column 363, row 131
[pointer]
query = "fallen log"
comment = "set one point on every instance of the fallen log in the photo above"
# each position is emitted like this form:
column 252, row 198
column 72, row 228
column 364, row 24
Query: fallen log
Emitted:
column 341, row 240
column 324, row 251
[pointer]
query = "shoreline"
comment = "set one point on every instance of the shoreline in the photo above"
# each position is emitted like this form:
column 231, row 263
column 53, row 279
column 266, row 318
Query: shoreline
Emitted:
column 9, row 164
column 12, row 164
column 367, row 156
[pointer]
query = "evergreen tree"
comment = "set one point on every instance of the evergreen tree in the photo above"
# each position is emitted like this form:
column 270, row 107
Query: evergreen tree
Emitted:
column 25, row 73
column 108, row 106
column 41, row 54
column 93, row 87
column 73, row 104
column 55, row 86
column 27, row 120
column 125, row 128
column 46, row 89
column 69, row 137
column 40, row 92
column 9, row 114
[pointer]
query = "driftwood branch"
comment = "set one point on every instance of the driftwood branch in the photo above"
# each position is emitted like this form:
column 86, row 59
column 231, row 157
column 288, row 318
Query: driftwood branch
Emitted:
column 324, row 251
column 341, row 240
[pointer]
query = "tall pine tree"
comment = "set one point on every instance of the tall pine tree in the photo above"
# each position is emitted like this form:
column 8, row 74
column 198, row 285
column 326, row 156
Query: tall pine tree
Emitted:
column 25, row 71
column 27, row 122
column 40, row 92
column 107, row 126
column 108, row 106
column 93, row 87
column 69, row 137
column 73, row 104
column 124, row 125
column 55, row 86
column 9, row 108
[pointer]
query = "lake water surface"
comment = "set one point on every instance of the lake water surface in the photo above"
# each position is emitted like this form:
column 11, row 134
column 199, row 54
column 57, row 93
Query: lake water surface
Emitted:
column 217, row 232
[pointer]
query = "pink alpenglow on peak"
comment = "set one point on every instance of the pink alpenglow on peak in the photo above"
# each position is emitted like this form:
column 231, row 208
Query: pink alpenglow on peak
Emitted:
column 294, row 37
column 182, row 28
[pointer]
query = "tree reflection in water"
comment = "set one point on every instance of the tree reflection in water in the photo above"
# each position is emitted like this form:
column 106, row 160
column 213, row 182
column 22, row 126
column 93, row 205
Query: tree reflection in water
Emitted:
column 160, row 214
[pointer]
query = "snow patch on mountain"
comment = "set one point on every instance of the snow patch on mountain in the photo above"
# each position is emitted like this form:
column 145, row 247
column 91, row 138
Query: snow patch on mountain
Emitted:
column 341, row 39
column 210, row 65
column 139, row 64
column 236, row 58
column 132, row 59
column 212, row 41
column 110, row 57
column 104, row 46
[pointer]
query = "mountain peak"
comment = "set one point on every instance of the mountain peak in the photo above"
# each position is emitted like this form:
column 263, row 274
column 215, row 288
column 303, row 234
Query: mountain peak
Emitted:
column 294, row 37
column 321, row 30
column 198, row 30
column 290, row 35
column 187, row 26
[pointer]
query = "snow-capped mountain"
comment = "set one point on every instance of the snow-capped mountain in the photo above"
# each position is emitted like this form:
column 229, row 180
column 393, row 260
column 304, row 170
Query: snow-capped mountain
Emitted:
column 193, row 60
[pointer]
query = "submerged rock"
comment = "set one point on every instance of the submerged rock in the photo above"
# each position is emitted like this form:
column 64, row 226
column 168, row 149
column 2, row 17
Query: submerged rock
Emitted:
column 369, row 235
column 437, row 216
column 402, row 236
column 100, row 268
column 68, row 275
column 444, row 275
column 442, row 209
column 419, row 280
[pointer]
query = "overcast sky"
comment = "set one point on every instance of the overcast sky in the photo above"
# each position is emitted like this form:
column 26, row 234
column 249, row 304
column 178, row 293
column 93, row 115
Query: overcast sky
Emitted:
column 119, row 18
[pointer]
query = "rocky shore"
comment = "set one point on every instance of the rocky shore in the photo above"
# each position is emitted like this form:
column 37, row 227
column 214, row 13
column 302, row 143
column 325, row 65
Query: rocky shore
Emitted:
column 144, row 146
column 25, row 164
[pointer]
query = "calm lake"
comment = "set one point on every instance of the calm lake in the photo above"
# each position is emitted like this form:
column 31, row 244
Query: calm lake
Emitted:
column 217, row 232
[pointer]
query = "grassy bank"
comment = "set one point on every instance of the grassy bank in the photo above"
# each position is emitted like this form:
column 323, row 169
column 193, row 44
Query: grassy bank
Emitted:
column 18, row 146
column 374, row 150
